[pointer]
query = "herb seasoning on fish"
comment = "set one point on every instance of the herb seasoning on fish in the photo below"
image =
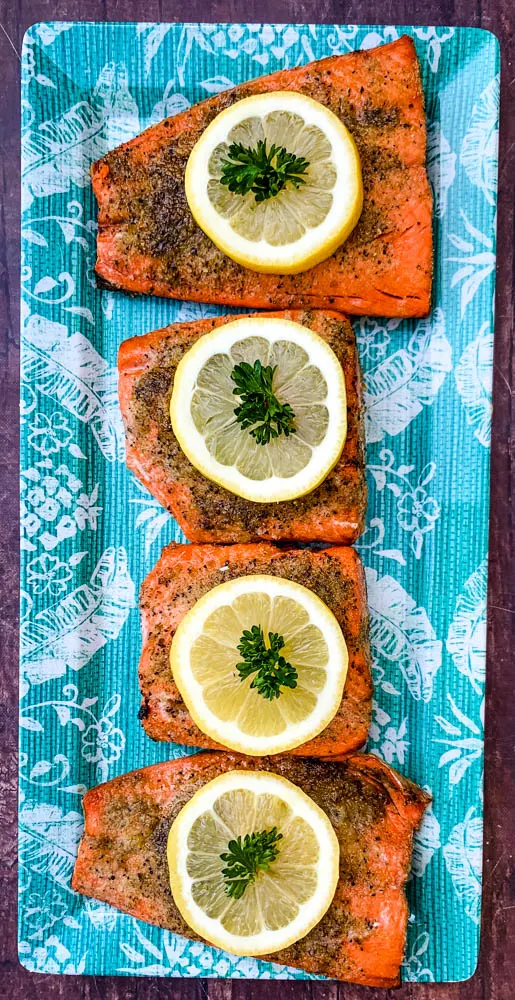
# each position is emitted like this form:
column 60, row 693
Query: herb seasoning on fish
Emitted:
column 264, row 172
column 245, row 858
column 254, row 386
column 273, row 671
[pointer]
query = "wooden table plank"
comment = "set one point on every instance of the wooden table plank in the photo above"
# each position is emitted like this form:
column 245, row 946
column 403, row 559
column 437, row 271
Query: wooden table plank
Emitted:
column 495, row 978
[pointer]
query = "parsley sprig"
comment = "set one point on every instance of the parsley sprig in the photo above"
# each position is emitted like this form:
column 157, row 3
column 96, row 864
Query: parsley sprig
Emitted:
column 246, row 857
column 263, row 171
column 259, row 404
column 272, row 670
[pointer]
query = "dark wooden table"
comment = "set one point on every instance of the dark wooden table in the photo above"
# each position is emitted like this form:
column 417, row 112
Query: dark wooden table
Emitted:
column 495, row 977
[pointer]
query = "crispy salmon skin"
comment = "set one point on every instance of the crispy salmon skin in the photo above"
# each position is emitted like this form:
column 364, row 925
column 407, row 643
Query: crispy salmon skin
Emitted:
column 333, row 512
column 122, row 855
column 149, row 242
column 185, row 573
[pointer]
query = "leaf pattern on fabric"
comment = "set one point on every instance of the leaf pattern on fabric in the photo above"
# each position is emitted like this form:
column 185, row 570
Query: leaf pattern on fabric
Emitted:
column 413, row 968
column 216, row 84
column 473, row 374
column 426, row 840
column 155, row 522
column 479, row 149
column 466, row 641
column 402, row 636
column 176, row 956
column 464, row 739
column 153, row 36
column 53, row 958
column 171, row 103
column 441, row 166
column 49, row 839
column 399, row 387
column 67, row 368
column 69, row 633
column 102, row 916
column 59, row 152
column 463, row 855
column 476, row 261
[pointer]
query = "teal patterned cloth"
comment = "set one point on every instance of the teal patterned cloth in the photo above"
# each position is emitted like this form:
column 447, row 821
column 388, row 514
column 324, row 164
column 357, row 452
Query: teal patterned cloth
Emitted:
column 90, row 533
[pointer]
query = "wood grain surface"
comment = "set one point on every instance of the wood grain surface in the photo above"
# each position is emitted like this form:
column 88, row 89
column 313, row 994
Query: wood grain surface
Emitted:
column 495, row 977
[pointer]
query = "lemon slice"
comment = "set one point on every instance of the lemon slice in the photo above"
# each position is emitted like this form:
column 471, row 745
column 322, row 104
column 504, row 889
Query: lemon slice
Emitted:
column 260, row 695
column 307, row 378
column 307, row 219
column 290, row 864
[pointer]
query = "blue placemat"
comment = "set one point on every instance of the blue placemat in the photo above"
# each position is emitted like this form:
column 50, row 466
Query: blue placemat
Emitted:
column 90, row 532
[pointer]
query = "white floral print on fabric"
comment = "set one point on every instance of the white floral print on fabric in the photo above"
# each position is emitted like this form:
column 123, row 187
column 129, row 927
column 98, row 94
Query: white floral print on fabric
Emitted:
column 402, row 637
column 67, row 634
column 374, row 337
column 473, row 374
column 417, row 511
column 441, row 166
column 48, row 434
column 476, row 263
column 413, row 968
column 54, row 507
column 49, row 837
column 479, row 149
column 102, row 742
column 52, row 958
column 391, row 742
column 58, row 153
column 466, row 641
column 47, row 572
column 409, row 378
column 426, row 840
column 463, row 737
column 69, row 370
column 463, row 855
column 153, row 519
column 435, row 37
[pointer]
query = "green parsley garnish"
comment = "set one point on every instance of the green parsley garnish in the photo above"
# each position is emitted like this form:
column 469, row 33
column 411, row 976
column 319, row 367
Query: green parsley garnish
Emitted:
column 271, row 669
column 259, row 405
column 264, row 172
column 246, row 857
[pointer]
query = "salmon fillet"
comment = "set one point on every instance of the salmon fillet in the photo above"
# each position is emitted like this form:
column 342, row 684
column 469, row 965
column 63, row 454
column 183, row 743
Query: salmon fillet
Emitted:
column 333, row 512
column 149, row 242
column 185, row 573
column 374, row 810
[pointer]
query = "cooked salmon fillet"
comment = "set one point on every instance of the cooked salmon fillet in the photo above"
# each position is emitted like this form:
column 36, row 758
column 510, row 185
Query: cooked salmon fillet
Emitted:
column 333, row 512
column 374, row 810
column 149, row 242
column 185, row 573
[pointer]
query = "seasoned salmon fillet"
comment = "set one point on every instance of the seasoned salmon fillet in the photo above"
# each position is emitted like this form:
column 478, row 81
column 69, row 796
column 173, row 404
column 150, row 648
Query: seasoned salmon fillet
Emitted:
column 374, row 811
column 333, row 512
column 149, row 242
column 185, row 573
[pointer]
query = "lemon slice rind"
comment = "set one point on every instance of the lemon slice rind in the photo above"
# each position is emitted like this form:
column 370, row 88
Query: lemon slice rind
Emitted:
column 317, row 243
column 228, row 733
column 310, row 912
column 324, row 456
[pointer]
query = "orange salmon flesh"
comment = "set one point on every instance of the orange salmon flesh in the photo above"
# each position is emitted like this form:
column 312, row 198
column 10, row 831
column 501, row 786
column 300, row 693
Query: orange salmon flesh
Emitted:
column 206, row 512
column 149, row 242
column 374, row 811
column 185, row 573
